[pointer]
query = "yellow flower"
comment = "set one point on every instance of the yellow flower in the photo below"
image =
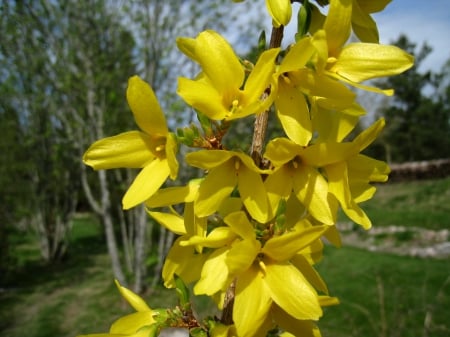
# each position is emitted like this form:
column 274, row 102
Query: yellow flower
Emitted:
column 355, row 13
column 153, row 149
column 186, row 262
column 264, row 276
column 296, row 169
column 217, row 91
column 226, row 170
column 302, row 90
column 133, row 325
column 355, row 62
column 280, row 11
column 349, row 179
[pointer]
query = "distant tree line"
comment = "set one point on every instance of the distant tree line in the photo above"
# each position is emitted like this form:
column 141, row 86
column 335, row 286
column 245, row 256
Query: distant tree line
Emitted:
column 418, row 115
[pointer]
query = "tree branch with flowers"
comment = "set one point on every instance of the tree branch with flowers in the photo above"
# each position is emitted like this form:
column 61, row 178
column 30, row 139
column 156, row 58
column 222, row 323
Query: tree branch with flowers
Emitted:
column 250, row 228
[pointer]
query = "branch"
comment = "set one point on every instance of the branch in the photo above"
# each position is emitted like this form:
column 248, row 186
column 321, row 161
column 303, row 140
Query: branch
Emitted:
column 260, row 128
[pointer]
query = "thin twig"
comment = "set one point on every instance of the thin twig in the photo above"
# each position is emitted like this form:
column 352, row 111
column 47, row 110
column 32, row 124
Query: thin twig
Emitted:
column 260, row 127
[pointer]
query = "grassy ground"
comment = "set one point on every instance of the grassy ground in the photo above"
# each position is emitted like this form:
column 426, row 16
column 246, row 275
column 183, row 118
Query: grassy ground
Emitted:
column 381, row 294
column 385, row 295
column 418, row 203
column 76, row 296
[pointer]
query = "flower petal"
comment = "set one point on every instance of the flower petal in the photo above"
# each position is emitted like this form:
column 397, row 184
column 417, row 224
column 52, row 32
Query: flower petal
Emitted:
column 145, row 107
column 219, row 237
column 146, row 183
column 219, row 62
column 293, row 113
column 171, row 152
column 338, row 25
column 214, row 275
column 218, row 184
column 322, row 154
column 334, row 126
column 253, row 194
column 283, row 247
column 128, row 150
column 184, row 262
column 241, row 256
column 339, row 187
column 296, row 327
column 251, row 303
column 203, row 97
column 297, row 57
column 131, row 323
column 359, row 62
column 313, row 277
column 363, row 25
column 208, row 159
column 291, row 291
column 311, row 189
column 280, row 11
column 174, row 195
column 240, row 224
column 260, row 76
column 135, row 300
column 172, row 222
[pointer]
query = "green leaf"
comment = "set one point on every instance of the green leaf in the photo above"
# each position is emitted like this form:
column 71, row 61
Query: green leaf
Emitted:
column 182, row 292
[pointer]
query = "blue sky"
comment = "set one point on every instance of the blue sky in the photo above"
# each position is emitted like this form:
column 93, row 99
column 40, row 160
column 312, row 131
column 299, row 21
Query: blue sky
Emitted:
column 420, row 20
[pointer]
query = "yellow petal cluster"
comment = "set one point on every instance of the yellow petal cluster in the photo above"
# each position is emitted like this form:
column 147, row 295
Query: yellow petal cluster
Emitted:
column 257, row 226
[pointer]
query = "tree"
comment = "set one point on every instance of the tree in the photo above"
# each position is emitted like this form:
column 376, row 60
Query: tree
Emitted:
column 51, row 183
column 417, row 117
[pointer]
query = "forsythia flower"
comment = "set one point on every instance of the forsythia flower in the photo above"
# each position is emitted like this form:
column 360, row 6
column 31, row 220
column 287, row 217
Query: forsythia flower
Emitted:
column 217, row 91
column 153, row 149
column 280, row 11
column 265, row 279
column 348, row 180
column 132, row 325
column 355, row 62
column 300, row 89
column 296, row 170
column 228, row 169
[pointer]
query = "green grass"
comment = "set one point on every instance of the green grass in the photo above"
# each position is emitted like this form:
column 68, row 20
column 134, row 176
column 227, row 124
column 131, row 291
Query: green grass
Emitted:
column 419, row 203
column 385, row 295
column 76, row 296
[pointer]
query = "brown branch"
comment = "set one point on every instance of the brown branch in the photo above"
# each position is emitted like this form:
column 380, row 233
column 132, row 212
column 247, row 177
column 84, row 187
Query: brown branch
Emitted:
column 260, row 127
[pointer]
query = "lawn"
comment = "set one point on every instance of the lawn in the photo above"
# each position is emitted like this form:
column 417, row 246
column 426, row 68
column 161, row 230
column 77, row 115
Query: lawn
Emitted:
column 381, row 294
column 423, row 204
column 385, row 295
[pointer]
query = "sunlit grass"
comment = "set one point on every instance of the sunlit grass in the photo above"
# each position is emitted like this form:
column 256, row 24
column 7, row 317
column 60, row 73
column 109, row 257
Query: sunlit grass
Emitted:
column 415, row 204
column 385, row 295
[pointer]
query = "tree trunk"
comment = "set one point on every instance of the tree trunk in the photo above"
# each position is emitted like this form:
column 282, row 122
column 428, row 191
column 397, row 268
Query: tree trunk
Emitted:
column 109, row 228
column 140, row 221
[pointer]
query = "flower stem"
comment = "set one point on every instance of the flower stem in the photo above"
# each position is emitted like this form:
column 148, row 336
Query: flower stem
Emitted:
column 260, row 127
column 259, row 134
